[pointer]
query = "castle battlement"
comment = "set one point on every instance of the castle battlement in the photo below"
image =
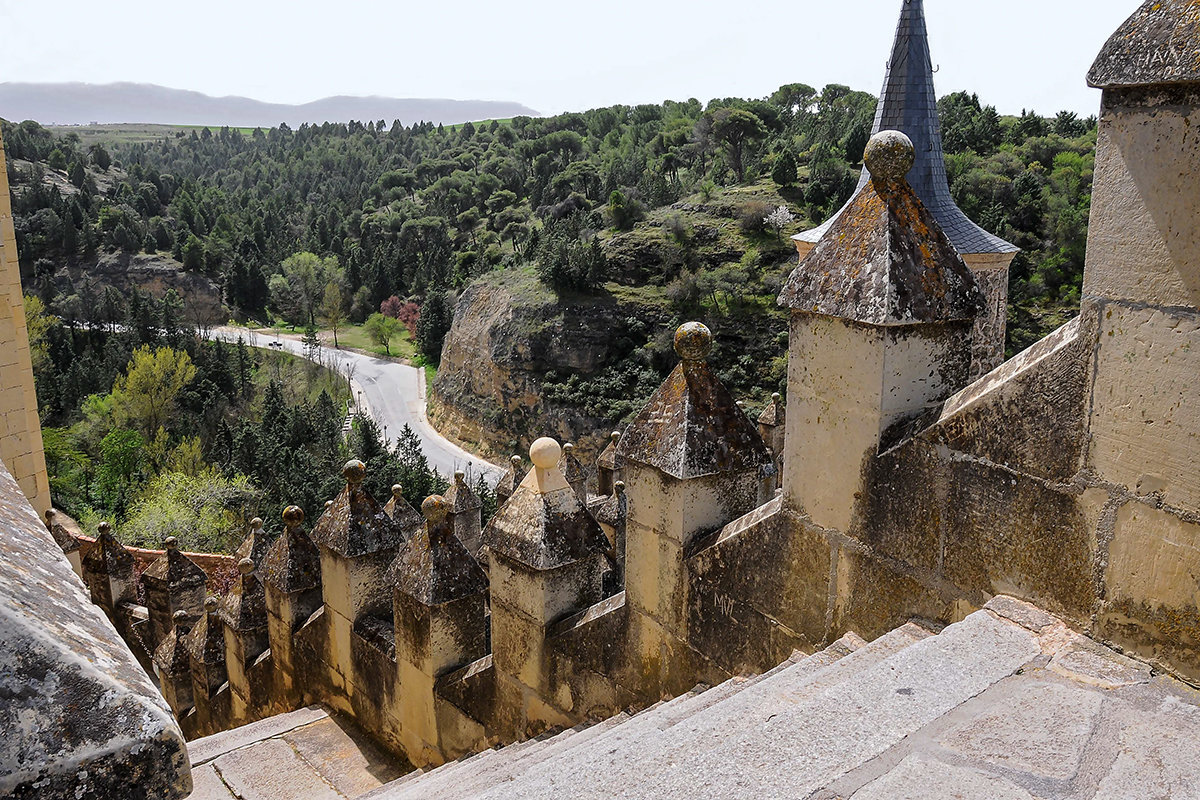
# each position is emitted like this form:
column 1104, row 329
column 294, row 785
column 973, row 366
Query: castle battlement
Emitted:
column 1055, row 498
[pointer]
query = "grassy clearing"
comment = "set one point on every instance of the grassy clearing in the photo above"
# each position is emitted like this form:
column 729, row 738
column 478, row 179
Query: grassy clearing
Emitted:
column 355, row 337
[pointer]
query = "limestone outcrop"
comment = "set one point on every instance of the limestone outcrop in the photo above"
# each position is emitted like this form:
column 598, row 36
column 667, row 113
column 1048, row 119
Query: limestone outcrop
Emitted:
column 511, row 337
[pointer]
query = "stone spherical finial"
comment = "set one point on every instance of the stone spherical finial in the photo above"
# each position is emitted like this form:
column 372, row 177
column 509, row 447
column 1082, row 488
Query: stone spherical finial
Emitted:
column 180, row 617
column 397, row 491
column 328, row 503
column 354, row 472
column 619, row 486
column 516, row 462
column 245, row 566
column 211, row 604
column 693, row 341
column 50, row 514
column 889, row 155
column 256, row 523
column 568, row 449
column 545, row 453
column 435, row 508
column 171, row 543
column 775, row 398
column 105, row 529
column 615, row 436
column 460, row 477
column 293, row 515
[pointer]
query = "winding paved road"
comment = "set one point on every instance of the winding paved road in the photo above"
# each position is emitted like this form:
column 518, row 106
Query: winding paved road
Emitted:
column 392, row 393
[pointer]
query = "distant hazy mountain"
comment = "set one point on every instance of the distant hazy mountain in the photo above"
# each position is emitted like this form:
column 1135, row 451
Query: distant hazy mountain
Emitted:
column 82, row 103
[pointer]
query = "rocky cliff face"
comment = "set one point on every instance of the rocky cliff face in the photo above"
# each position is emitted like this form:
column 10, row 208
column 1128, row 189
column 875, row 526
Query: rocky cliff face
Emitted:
column 516, row 346
column 156, row 274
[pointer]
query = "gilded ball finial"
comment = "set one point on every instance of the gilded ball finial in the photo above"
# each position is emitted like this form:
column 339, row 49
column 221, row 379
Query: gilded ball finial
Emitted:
column 545, row 453
column 293, row 515
column 354, row 472
column 435, row 508
column 889, row 155
column 693, row 341
column 245, row 566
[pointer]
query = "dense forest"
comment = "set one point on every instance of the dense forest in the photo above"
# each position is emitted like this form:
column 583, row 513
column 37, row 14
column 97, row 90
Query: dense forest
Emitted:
column 166, row 434
column 417, row 212
column 370, row 222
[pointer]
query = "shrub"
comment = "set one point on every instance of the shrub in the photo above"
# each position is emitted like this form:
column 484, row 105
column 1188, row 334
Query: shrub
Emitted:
column 752, row 216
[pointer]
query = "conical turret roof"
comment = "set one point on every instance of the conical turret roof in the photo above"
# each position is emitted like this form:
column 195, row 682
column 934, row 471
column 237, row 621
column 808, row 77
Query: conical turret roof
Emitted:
column 908, row 103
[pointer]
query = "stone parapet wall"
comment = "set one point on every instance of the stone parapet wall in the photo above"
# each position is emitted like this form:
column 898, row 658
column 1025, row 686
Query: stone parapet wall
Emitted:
column 82, row 720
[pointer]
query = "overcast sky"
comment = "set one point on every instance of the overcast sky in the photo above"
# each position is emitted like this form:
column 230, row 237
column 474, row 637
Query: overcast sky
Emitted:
column 555, row 55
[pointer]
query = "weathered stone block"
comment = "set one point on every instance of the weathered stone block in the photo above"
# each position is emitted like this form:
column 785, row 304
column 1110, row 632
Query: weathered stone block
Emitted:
column 1145, row 426
column 1151, row 608
column 759, row 591
column 1143, row 241
column 1010, row 534
column 82, row 719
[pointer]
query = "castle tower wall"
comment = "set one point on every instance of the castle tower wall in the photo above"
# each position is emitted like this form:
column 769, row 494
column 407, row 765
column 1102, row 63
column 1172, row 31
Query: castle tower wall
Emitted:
column 20, row 427
column 1142, row 294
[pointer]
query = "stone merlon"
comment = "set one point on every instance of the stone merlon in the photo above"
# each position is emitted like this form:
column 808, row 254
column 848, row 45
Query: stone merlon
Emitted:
column 433, row 567
column 355, row 525
column 886, row 260
column 544, row 525
column 1159, row 44
column 293, row 563
column 692, row 426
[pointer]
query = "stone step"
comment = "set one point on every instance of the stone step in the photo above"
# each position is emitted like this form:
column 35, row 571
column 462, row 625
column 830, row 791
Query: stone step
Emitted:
column 496, row 773
column 497, row 758
column 837, row 663
column 495, row 762
column 666, row 715
column 789, row 738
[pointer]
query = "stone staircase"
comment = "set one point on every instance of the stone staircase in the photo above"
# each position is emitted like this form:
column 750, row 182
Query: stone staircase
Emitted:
column 1008, row 704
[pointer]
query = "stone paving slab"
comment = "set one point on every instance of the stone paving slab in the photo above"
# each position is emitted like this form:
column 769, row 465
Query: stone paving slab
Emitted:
column 344, row 756
column 201, row 751
column 272, row 770
column 207, row 785
column 920, row 778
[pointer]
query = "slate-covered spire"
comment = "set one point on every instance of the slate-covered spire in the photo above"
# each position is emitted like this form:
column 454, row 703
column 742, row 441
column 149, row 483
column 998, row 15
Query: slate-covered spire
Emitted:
column 908, row 103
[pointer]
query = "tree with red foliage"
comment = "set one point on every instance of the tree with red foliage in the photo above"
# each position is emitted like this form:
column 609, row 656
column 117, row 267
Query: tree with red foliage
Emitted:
column 408, row 313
